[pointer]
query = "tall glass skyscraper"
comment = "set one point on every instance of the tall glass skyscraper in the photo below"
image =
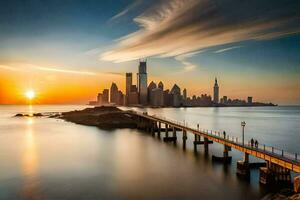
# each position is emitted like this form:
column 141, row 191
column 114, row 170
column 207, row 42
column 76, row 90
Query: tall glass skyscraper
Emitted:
column 142, row 83
column 216, row 92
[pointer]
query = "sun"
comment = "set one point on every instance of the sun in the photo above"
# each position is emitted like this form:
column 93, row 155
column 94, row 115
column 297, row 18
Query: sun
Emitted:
column 30, row 94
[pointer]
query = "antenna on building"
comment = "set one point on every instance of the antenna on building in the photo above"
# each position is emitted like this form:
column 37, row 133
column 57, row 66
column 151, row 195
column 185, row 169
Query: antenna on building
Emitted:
column 143, row 60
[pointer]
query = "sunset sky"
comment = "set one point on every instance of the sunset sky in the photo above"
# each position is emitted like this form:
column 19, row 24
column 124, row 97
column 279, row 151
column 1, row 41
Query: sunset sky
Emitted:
column 69, row 50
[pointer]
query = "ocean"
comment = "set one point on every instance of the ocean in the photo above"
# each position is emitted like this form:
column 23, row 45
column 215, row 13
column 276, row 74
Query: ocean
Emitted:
column 47, row 158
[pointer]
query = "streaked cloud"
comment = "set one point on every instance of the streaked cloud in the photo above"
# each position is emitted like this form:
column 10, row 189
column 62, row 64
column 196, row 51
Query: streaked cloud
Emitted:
column 66, row 71
column 228, row 49
column 126, row 10
column 6, row 67
column 188, row 66
column 188, row 55
column 175, row 27
column 26, row 67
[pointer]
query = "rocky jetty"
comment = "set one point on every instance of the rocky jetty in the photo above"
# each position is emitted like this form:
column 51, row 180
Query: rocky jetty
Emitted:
column 105, row 117
column 28, row 115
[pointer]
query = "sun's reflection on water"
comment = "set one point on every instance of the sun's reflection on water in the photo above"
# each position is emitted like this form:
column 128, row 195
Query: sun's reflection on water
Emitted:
column 30, row 188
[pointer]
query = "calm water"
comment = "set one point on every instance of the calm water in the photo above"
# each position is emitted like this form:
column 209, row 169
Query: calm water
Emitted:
column 43, row 158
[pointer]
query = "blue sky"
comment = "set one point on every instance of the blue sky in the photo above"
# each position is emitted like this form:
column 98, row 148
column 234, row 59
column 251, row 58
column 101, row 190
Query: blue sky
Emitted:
column 250, row 46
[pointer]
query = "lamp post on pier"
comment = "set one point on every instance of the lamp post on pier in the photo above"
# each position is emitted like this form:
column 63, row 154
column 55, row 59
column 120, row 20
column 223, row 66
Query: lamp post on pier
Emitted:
column 243, row 124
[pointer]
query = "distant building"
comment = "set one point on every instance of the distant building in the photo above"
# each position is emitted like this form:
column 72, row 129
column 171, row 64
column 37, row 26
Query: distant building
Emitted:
column 167, row 98
column 249, row 100
column 184, row 94
column 151, row 86
column 160, row 85
column 223, row 100
column 99, row 99
column 128, row 86
column 105, row 96
column 120, row 99
column 216, row 92
column 157, row 97
column 176, row 95
column 93, row 103
column 142, row 82
column 133, row 98
column 114, row 93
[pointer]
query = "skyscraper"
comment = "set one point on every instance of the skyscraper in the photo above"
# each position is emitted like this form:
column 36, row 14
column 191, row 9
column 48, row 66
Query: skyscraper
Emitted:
column 128, row 87
column 184, row 94
column 105, row 95
column 151, row 86
column 99, row 99
column 142, row 82
column 128, row 83
column 250, row 99
column 216, row 92
column 114, row 93
column 176, row 95
column 160, row 85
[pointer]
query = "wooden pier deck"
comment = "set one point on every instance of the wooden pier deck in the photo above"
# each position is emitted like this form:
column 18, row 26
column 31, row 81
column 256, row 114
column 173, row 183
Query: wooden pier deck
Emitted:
column 267, row 153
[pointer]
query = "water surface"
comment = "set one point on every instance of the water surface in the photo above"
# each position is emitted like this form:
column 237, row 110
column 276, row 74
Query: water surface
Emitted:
column 44, row 158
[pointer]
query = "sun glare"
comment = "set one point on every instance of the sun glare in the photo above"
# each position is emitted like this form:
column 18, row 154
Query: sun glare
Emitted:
column 30, row 94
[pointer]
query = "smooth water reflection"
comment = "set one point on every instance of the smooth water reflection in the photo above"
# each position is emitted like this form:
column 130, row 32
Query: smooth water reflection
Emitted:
column 43, row 158
column 30, row 162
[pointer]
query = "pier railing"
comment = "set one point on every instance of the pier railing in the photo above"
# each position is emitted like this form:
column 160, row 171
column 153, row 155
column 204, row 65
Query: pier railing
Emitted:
column 263, row 148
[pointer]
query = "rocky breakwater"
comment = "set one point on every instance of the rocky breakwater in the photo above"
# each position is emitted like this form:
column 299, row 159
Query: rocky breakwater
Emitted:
column 105, row 117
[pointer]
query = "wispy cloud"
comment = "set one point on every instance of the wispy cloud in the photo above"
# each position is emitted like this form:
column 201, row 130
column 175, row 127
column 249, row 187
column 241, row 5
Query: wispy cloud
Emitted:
column 126, row 10
column 188, row 66
column 228, row 49
column 66, row 71
column 188, row 55
column 25, row 67
column 175, row 27
column 9, row 68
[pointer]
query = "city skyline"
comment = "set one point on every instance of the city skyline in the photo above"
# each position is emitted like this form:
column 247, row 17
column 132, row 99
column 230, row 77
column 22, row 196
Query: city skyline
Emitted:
column 80, row 47
column 157, row 95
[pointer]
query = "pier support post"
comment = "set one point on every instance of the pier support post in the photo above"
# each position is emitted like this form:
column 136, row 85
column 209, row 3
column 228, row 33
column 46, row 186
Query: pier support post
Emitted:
column 225, row 152
column 167, row 130
column 159, row 129
column 225, row 158
column 184, row 138
column 206, row 146
column 196, row 141
column 274, row 174
column 148, row 126
column 172, row 138
column 152, row 128
column 242, row 167
column 174, row 134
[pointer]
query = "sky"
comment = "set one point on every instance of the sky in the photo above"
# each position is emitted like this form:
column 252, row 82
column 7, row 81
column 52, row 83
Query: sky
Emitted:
column 68, row 51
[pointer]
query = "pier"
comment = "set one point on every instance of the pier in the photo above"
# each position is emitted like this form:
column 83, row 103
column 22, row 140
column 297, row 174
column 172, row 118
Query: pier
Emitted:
column 276, row 168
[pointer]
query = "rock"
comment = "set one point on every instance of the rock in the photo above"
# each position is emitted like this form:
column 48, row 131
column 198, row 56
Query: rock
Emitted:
column 297, row 184
column 37, row 114
column 19, row 115
column 105, row 117
column 55, row 116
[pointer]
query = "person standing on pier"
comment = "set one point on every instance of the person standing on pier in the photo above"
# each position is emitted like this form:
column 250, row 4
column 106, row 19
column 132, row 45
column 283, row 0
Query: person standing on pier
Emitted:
column 252, row 142
column 256, row 143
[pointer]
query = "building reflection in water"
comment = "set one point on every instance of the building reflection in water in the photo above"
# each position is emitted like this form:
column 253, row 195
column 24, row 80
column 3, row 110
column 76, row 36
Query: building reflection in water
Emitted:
column 30, row 188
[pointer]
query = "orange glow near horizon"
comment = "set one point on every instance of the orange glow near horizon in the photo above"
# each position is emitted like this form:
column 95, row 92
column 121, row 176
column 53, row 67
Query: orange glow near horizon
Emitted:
column 44, row 87
column 51, row 87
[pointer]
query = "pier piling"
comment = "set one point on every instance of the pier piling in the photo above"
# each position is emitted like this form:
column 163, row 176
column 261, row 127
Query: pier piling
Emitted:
column 184, row 138
column 159, row 129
